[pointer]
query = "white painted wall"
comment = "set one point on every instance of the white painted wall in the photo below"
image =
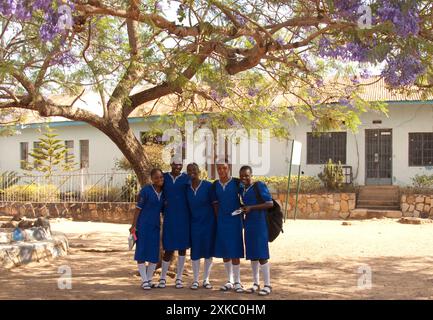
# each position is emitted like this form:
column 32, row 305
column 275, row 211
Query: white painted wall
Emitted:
column 403, row 118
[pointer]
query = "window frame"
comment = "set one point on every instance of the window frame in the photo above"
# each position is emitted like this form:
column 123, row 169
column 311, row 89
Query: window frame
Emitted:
column 311, row 158
column 411, row 151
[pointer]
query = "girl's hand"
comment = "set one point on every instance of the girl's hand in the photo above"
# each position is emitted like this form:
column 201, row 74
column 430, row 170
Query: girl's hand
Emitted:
column 132, row 229
column 246, row 209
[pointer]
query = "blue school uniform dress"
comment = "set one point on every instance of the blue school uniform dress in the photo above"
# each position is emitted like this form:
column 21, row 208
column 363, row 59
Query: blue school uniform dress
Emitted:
column 148, row 225
column 229, row 242
column 176, row 226
column 256, row 228
column 203, row 221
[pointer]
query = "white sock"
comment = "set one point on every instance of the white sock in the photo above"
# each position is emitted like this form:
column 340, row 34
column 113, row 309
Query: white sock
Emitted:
column 207, row 268
column 196, row 269
column 142, row 270
column 255, row 269
column 237, row 273
column 150, row 270
column 229, row 269
column 164, row 269
column 180, row 266
column 266, row 273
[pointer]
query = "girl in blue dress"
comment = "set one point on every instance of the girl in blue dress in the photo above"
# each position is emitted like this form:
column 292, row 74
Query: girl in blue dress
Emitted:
column 203, row 225
column 146, row 225
column 256, row 229
column 176, row 224
column 229, row 243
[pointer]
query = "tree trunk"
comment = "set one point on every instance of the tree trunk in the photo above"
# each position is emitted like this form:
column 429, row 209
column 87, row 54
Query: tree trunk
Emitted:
column 131, row 148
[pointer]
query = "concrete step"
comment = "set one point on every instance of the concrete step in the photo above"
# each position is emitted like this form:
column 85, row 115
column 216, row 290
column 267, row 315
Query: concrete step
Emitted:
column 379, row 207
column 371, row 213
column 379, row 197
column 376, row 202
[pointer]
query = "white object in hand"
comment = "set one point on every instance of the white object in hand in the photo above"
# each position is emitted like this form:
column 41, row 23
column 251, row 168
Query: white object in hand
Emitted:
column 131, row 241
column 236, row 212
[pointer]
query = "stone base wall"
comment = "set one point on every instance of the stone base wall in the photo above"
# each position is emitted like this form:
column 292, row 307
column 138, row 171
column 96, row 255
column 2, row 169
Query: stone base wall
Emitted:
column 320, row 206
column 310, row 206
column 417, row 205
column 116, row 212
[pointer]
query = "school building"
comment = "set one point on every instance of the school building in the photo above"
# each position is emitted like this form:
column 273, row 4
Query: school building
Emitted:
column 387, row 149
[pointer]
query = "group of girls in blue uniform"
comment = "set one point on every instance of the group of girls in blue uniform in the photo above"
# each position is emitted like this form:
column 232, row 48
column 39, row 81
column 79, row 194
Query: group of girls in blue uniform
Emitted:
column 201, row 216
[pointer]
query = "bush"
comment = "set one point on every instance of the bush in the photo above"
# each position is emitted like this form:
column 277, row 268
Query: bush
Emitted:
column 102, row 194
column 422, row 181
column 33, row 193
column 278, row 184
column 332, row 175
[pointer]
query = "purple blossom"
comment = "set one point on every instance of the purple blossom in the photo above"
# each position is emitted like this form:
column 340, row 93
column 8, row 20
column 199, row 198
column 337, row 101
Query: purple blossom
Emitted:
column 280, row 41
column 42, row 4
column 345, row 102
column 351, row 51
column 253, row 92
column 354, row 80
column 347, row 9
column 64, row 59
column 319, row 82
column 240, row 19
column 7, row 8
column 230, row 121
column 402, row 14
column 403, row 70
column 365, row 74
column 158, row 6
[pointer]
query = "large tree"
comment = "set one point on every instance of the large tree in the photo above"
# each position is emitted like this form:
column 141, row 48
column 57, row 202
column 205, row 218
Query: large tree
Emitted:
column 234, row 56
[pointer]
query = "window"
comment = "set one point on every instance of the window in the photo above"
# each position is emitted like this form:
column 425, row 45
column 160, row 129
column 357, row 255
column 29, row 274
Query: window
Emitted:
column 69, row 145
column 329, row 145
column 84, row 154
column 421, row 149
column 24, row 154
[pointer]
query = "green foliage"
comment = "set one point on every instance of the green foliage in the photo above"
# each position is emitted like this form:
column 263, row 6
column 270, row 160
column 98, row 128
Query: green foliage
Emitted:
column 422, row 181
column 278, row 184
column 102, row 194
column 50, row 155
column 33, row 193
column 332, row 175
column 130, row 189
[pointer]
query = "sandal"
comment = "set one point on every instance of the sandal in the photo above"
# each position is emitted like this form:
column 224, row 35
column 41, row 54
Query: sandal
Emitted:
column 253, row 289
column 227, row 287
column 162, row 284
column 207, row 285
column 194, row 285
column 265, row 291
column 178, row 284
column 146, row 286
column 239, row 288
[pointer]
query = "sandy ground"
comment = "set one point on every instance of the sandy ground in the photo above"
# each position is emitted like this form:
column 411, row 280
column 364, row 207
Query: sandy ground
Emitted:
column 311, row 260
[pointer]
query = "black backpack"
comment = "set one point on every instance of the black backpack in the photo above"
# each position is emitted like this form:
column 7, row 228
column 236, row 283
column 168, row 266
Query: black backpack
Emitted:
column 274, row 216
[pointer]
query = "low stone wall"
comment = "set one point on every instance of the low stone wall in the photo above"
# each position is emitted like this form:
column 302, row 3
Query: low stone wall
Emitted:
column 417, row 205
column 310, row 206
column 116, row 212
column 320, row 206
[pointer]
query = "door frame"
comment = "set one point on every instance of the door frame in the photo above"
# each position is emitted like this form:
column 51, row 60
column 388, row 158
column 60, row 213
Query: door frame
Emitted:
column 384, row 180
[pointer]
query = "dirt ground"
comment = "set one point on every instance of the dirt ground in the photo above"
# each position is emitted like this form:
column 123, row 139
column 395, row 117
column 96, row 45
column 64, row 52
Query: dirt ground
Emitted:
column 312, row 260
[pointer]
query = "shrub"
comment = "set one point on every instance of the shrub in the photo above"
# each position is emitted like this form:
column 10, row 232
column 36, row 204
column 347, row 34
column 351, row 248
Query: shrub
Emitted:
column 278, row 184
column 102, row 194
column 33, row 193
column 422, row 181
column 332, row 175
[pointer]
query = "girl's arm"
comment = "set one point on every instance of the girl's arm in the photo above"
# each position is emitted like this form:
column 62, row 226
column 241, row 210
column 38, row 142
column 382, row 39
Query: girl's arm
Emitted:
column 263, row 206
column 134, row 220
